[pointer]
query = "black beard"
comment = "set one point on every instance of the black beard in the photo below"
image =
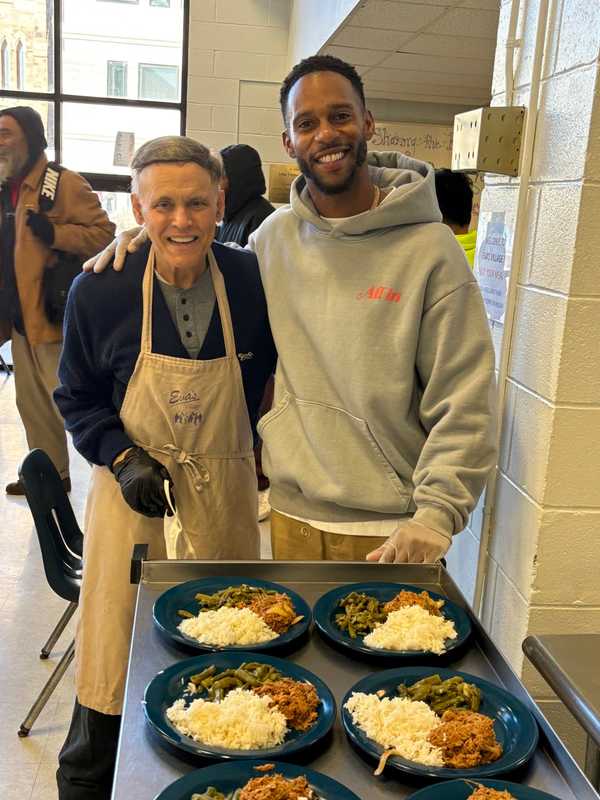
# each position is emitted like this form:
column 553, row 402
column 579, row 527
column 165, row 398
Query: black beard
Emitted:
column 360, row 158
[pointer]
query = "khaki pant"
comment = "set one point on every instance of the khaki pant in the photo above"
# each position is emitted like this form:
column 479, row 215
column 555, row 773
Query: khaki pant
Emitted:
column 35, row 371
column 292, row 540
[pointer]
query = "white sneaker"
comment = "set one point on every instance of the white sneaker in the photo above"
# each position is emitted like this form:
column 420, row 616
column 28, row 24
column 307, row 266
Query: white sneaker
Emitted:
column 264, row 509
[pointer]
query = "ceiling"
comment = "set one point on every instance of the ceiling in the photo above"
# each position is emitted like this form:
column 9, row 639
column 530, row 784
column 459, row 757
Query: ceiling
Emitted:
column 435, row 51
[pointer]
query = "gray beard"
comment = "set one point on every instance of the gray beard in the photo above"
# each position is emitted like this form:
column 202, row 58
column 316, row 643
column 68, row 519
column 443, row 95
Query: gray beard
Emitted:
column 10, row 167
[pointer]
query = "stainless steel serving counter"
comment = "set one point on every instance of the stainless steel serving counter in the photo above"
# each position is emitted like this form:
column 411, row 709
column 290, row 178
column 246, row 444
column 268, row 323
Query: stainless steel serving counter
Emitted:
column 145, row 766
column 570, row 665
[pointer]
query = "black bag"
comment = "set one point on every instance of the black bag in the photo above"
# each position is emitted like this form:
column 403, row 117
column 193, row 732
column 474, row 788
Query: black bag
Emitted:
column 56, row 284
column 59, row 276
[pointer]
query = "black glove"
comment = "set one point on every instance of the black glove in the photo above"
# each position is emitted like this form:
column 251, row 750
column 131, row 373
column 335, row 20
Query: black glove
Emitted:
column 141, row 480
column 41, row 227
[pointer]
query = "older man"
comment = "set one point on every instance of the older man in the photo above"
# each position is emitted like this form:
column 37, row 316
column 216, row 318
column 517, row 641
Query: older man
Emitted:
column 35, row 235
column 163, row 369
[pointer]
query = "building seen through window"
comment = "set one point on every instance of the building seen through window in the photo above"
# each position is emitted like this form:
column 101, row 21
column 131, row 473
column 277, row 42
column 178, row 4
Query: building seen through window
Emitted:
column 117, row 89
column 4, row 65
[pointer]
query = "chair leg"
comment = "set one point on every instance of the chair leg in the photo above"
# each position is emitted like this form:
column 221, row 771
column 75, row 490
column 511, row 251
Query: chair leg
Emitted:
column 60, row 626
column 46, row 692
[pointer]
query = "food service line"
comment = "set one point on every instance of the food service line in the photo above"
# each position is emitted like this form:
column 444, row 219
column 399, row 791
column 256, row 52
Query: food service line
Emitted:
column 145, row 767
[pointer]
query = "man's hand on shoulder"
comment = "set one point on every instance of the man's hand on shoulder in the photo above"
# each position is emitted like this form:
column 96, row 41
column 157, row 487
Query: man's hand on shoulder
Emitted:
column 412, row 543
column 126, row 242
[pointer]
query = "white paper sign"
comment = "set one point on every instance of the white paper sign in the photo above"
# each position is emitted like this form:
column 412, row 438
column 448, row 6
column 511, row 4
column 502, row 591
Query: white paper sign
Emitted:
column 492, row 262
column 124, row 148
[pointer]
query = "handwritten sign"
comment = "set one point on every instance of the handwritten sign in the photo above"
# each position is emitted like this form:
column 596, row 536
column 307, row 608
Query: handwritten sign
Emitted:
column 431, row 143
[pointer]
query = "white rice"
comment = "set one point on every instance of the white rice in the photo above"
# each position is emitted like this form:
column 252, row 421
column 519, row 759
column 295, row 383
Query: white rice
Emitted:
column 227, row 626
column 241, row 721
column 399, row 723
column 412, row 628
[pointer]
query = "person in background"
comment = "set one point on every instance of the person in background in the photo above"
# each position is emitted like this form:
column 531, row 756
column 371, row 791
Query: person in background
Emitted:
column 244, row 186
column 382, row 433
column 245, row 209
column 454, row 192
column 30, row 242
column 163, row 368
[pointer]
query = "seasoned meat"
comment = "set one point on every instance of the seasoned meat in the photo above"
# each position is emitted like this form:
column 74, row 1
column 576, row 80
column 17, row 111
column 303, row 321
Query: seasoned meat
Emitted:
column 297, row 701
column 484, row 793
column 424, row 600
column 467, row 739
column 276, row 787
column 276, row 610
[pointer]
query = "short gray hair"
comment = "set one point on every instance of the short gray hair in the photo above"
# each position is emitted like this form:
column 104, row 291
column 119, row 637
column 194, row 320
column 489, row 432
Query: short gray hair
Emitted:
column 174, row 150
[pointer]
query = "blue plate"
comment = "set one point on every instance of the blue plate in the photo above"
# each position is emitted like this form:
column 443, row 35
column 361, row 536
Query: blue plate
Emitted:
column 516, row 729
column 170, row 684
column 229, row 777
column 461, row 790
column 328, row 606
column 183, row 597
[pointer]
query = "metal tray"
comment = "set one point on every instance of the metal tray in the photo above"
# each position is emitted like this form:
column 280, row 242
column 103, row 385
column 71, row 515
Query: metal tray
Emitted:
column 145, row 767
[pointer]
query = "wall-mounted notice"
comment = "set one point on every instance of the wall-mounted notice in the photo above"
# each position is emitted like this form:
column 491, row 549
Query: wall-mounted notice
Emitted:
column 492, row 262
column 281, row 177
column 431, row 143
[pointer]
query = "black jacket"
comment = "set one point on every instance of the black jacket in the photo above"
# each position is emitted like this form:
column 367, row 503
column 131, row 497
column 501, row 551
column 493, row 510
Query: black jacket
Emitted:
column 245, row 207
column 103, row 324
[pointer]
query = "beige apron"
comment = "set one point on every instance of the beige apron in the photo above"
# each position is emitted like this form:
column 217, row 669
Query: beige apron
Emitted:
column 192, row 417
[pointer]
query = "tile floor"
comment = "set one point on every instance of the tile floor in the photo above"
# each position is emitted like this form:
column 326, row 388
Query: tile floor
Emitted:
column 28, row 612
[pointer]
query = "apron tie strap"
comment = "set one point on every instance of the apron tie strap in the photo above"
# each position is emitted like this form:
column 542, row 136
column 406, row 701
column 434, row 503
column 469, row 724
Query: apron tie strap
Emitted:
column 198, row 471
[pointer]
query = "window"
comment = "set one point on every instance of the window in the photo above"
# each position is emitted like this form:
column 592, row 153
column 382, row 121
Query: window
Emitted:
column 158, row 82
column 75, row 69
column 116, row 79
column 161, row 3
column 20, row 65
column 5, row 65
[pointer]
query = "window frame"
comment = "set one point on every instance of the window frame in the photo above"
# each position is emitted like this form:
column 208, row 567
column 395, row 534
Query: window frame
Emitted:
column 20, row 64
column 111, row 63
column 4, row 65
column 106, row 182
column 143, row 64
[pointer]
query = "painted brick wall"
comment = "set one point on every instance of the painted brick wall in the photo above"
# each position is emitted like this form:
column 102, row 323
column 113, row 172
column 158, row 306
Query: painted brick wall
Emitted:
column 237, row 59
column 543, row 571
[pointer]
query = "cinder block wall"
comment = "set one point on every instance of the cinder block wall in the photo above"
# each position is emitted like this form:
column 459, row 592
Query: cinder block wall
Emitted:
column 543, row 575
column 237, row 60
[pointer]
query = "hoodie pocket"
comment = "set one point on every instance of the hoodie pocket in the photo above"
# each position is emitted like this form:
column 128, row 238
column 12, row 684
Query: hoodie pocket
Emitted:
column 330, row 456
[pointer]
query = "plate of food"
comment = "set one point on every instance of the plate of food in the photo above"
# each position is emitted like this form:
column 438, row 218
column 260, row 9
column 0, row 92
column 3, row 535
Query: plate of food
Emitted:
column 232, row 614
column 256, row 780
column 483, row 789
column 239, row 705
column 391, row 621
column 439, row 723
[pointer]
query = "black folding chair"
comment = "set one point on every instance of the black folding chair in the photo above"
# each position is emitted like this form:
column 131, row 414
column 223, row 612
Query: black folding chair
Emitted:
column 61, row 543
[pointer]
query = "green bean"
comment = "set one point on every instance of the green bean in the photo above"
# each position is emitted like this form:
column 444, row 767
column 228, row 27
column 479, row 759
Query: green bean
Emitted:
column 247, row 677
column 218, row 684
column 185, row 614
column 201, row 676
column 441, row 695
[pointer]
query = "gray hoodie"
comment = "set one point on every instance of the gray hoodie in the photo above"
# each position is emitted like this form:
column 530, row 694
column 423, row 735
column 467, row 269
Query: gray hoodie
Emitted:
column 384, row 385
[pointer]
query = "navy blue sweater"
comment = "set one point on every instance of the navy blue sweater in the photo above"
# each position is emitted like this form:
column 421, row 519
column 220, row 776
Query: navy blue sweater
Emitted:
column 102, row 330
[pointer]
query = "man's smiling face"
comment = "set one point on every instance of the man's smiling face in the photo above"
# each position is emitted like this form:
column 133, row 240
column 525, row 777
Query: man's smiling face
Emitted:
column 327, row 130
column 180, row 205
